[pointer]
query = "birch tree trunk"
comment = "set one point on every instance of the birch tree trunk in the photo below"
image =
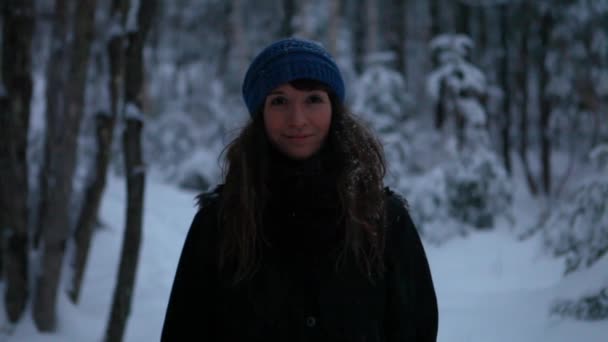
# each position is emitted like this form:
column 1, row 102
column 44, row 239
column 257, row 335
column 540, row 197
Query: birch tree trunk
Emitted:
column 64, row 114
column 105, row 123
column 135, row 173
column 15, row 96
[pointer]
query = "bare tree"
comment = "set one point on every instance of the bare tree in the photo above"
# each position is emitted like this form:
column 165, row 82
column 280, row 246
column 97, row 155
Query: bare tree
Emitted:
column 463, row 14
column 372, row 27
column 64, row 114
column 55, row 106
column 289, row 12
column 440, row 110
column 396, row 32
column 135, row 173
column 546, row 26
column 231, row 64
column 335, row 24
column 357, row 17
column 503, row 76
column 15, row 95
column 105, row 123
column 435, row 18
column 521, row 76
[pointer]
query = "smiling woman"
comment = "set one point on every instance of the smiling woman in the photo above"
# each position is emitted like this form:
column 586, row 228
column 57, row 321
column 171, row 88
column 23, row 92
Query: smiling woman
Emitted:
column 297, row 116
column 302, row 242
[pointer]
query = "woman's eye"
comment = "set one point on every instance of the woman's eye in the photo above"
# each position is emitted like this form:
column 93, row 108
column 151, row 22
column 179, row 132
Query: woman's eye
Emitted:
column 315, row 99
column 279, row 100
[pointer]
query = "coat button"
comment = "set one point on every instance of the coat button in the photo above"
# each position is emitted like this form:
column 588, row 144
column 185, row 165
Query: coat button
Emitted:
column 311, row 321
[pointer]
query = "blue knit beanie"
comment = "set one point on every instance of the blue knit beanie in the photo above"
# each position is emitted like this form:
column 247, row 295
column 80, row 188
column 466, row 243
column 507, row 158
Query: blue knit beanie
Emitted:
column 287, row 60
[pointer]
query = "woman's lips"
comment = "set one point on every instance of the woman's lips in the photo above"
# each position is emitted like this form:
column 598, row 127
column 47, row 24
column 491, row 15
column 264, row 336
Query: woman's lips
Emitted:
column 298, row 138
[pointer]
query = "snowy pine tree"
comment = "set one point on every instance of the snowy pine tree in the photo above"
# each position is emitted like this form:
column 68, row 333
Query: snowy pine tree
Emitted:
column 384, row 104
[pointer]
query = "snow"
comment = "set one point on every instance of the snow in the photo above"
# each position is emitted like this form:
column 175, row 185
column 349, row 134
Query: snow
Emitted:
column 459, row 43
column 491, row 287
column 132, row 112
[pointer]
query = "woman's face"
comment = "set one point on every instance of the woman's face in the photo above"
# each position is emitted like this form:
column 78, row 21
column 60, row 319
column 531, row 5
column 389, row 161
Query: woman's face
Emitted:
column 297, row 121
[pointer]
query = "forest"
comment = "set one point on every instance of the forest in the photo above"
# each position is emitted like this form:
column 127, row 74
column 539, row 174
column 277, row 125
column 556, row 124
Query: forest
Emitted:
column 492, row 114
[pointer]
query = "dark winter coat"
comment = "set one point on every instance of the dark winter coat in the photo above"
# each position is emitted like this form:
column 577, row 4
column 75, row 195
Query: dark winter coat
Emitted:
column 297, row 294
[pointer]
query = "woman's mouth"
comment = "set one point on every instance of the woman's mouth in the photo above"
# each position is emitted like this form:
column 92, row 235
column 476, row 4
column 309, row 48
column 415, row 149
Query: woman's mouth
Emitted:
column 298, row 137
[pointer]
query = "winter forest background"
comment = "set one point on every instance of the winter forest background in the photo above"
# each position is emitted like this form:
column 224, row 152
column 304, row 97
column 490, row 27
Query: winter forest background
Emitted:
column 493, row 114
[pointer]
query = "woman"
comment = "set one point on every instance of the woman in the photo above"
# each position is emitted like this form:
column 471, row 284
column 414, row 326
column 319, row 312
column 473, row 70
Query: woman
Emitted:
column 302, row 242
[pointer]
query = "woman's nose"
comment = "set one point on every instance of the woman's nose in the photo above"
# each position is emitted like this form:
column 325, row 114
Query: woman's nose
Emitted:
column 297, row 115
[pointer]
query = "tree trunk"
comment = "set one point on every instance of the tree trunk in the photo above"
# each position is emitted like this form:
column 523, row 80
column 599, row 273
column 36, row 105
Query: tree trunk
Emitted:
column 224, row 53
column 238, row 54
column 503, row 75
column 104, row 129
column 64, row 114
column 335, row 24
column 92, row 200
column 371, row 28
column 435, row 18
column 289, row 11
column 481, row 36
column 522, row 86
column 397, row 34
column 17, row 32
column 129, row 256
column 545, row 103
column 357, row 16
column 235, row 49
column 440, row 111
column 462, row 19
column 135, row 173
column 55, row 105
column 50, row 213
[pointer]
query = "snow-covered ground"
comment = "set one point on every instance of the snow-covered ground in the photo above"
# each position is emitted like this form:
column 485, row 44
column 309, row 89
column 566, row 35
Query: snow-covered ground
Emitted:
column 490, row 287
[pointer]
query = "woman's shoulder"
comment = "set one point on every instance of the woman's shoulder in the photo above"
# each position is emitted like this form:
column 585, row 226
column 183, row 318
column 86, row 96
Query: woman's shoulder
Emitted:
column 400, row 226
column 205, row 219
column 209, row 198
column 396, row 205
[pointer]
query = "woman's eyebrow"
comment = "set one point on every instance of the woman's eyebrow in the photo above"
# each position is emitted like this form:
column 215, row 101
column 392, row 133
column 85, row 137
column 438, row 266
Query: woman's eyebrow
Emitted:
column 276, row 92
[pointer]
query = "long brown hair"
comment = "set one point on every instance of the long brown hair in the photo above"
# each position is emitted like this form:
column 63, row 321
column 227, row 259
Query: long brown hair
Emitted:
column 358, row 158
